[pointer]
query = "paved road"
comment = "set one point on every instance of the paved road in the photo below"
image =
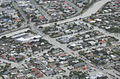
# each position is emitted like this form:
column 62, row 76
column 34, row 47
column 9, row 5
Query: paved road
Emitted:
column 44, row 13
column 13, row 32
column 93, row 9
column 109, row 13
column 68, row 51
column 20, row 10
column 75, row 7
column 107, row 33
column 104, row 31
column 13, row 64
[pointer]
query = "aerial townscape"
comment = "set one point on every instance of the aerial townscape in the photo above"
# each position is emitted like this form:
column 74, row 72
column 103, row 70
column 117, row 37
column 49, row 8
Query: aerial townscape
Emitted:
column 59, row 39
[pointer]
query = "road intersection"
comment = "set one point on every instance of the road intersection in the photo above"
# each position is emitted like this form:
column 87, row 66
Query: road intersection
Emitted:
column 92, row 10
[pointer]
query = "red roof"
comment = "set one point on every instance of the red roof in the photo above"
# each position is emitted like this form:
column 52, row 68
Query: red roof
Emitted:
column 65, row 2
column 36, row 72
column 101, row 41
column 12, row 58
column 26, row 44
column 34, row 69
column 90, row 20
column 63, row 54
column 51, row 10
column 116, row 1
column 40, row 75
column 68, row 7
column 84, row 68
column 18, row 19
column 41, row 17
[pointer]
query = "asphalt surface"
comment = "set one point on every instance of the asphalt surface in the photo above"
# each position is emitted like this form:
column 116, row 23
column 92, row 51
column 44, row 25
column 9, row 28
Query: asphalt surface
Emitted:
column 75, row 7
column 20, row 10
column 93, row 9
column 89, row 12
column 44, row 13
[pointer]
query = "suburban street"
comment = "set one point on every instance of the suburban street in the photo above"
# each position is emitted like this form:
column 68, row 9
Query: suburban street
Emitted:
column 93, row 9
column 74, row 6
column 67, row 50
column 47, row 16
column 64, row 47
column 20, row 10
column 55, row 44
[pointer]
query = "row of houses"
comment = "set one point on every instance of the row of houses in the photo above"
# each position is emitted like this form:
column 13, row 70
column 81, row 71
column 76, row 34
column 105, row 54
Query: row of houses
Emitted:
column 9, row 17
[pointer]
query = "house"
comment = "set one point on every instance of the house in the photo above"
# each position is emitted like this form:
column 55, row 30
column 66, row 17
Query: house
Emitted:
column 92, row 42
column 5, row 2
column 79, row 65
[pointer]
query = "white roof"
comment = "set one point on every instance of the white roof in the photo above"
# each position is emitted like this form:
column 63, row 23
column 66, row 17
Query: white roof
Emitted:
column 98, row 19
column 73, row 44
column 27, row 39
